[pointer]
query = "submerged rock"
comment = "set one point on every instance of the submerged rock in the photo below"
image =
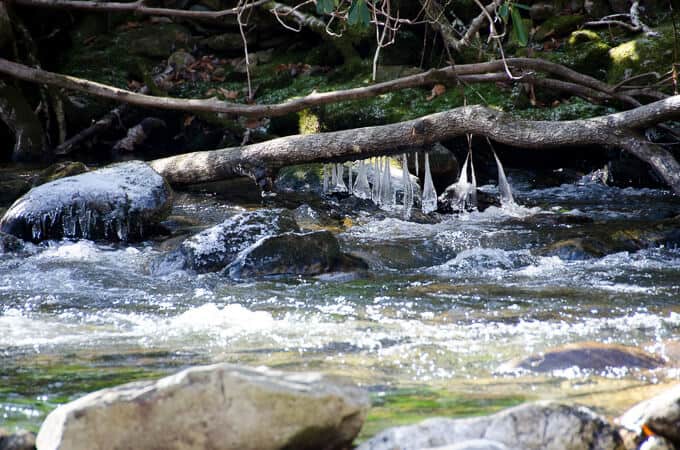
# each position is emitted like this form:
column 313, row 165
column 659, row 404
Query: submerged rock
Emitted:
column 660, row 415
column 577, row 249
column 213, row 249
column 212, row 407
column 587, row 355
column 10, row 244
column 293, row 254
column 121, row 202
column 532, row 426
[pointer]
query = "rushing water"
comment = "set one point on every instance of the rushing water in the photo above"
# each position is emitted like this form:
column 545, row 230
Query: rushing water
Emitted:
column 445, row 306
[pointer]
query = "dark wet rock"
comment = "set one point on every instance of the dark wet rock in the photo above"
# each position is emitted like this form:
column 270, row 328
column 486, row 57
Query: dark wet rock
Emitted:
column 660, row 414
column 213, row 249
column 588, row 356
column 631, row 172
column 292, row 253
column 576, row 249
column 158, row 40
column 444, row 166
column 61, row 170
column 541, row 11
column 19, row 440
column 12, row 186
column 218, row 407
column 121, row 202
column 20, row 118
column 557, row 26
column 10, row 244
column 532, row 426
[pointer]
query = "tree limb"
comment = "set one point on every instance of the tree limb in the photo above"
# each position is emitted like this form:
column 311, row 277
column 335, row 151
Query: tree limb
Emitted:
column 136, row 7
column 466, row 72
column 257, row 160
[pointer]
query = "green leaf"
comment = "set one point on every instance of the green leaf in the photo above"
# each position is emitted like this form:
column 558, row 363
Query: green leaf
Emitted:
column 519, row 28
column 325, row 6
column 358, row 14
column 503, row 12
column 522, row 6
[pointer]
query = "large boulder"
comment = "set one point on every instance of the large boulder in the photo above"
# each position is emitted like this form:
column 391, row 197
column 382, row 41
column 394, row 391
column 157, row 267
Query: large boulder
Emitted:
column 532, row 426
column 215, row 407
column 121, row 202
column 660, row 415
column 587, row 355
column 292, row 253
column 213, row 249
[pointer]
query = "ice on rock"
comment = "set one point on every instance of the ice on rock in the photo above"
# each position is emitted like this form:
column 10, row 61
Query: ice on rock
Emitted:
column 429, row 200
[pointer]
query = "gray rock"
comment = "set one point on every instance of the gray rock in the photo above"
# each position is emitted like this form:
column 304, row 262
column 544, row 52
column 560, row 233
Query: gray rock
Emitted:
column 661, row 414
column 215, row 407
column 311, row 253
column 213, row 249
column 20, row 440
column 121, row 202
column 587, row 355
column 475, row 444
column 532, row 426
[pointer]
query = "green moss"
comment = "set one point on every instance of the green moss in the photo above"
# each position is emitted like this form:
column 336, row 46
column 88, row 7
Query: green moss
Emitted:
column 308, row 122
column 644, row 54
column 34, row 391
column 575, row 108
column 408, row 406
column 582, row 36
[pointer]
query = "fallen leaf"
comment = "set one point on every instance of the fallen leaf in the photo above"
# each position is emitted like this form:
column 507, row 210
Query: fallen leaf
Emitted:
column 188, row 120
column 437, row 90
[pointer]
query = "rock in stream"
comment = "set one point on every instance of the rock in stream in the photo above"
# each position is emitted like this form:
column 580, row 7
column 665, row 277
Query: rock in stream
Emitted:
column 121, row 202
column 219, row 407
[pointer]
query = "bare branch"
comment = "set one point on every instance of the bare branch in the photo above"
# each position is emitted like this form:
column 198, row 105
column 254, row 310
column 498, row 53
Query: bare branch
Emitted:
column 136, row 7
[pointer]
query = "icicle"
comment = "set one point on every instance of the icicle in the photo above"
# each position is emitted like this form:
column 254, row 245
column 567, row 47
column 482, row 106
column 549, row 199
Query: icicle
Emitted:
column 473, row 184
column 462, row 187
column 386, row 192
column 334, row 177
column 503, row 185
column 406, row 187
column 375, row 193
column 361, row 188
column 339, row 181
column 350, row 186
column 326, row 176
column 429, row 201
column 417, row 157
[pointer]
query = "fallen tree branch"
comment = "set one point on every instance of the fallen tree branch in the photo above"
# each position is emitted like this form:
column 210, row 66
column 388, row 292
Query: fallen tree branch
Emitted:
column 466, row 73
column 136, row 7
column 258, row 161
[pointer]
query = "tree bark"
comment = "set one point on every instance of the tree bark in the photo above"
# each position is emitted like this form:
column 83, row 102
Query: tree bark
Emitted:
column 259, row 161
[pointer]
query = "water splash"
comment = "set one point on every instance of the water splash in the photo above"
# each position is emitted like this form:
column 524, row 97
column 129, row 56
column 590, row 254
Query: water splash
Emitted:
column 429, row 201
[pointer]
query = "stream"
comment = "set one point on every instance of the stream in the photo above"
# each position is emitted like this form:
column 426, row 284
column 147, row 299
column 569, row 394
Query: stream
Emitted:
column 444, row 307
